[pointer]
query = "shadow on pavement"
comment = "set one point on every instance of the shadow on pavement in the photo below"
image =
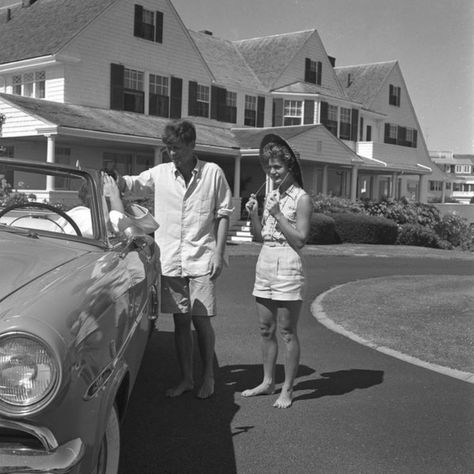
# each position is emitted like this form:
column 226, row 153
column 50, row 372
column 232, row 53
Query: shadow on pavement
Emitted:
column 177, row 434
column 338, row 383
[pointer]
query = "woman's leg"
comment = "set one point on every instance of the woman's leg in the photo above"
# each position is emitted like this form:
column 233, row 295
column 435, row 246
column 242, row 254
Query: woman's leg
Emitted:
column 288, row 313
column 266, row 311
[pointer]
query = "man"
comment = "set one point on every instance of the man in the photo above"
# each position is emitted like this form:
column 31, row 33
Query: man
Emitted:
column 193, row 203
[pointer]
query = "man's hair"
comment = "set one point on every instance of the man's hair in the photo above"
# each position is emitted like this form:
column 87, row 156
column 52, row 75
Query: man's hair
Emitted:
column 84, row 194
column 179, row 130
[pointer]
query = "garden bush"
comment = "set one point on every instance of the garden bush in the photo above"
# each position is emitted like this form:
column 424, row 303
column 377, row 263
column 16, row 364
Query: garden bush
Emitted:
column 323, row 230
column 333, row 204
column 455, row 229
column 421, row 236
column 363, row 229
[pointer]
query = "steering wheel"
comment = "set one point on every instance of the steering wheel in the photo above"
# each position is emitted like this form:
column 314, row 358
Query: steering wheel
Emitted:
column 43, row 205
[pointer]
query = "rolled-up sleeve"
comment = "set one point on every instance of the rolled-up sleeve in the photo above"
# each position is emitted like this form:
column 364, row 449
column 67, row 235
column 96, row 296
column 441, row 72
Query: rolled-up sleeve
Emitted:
column 224, row 207
column 141, row 185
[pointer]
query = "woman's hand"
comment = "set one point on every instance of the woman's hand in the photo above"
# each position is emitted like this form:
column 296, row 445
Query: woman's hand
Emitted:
column 272, row 204
column 252, row 205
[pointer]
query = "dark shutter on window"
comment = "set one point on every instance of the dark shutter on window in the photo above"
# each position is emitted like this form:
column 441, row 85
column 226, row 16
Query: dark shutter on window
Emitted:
column 116, row 86
column 308, row 111
column 324, row 113
column 159, row 27
column 319, row 72
column 192, row 108
column 260, row 111
column 386, row 132
column 307, row 72
column 354, row 124
column 415, row 136
column 401, row 136
column 218, row 103
column 137, row 25
column 277, row 118
column 361, row 129
column 176, row 94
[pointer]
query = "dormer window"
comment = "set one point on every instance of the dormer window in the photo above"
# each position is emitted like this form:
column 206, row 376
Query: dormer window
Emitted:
column 148, row 24
column 394, row 96
column 30, row 84
column 313, row 71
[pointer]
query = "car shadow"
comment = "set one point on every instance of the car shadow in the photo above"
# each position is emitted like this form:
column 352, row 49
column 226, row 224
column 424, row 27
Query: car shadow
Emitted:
column 170, row 435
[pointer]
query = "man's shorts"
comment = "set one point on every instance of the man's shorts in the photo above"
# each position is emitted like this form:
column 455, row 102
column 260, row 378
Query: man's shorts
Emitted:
column 279, row 274
column 195, row 295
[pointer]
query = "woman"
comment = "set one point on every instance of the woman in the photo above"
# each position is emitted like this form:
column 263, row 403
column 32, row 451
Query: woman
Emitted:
column 279, row 279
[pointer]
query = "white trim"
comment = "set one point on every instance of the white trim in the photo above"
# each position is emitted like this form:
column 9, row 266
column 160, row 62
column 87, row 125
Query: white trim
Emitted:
column 42, row 61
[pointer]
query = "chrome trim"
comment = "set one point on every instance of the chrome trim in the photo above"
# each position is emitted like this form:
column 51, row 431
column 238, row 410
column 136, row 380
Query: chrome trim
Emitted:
column 43, row 435
column 17, row 459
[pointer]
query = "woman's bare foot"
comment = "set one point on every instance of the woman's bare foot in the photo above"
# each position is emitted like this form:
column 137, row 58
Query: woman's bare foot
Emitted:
column 285, row 399
column 265, row 388
column 207, row 389
column 184, row 386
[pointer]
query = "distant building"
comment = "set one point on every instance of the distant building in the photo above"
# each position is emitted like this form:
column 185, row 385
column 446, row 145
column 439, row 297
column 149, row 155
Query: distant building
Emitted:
column 94, row 81
column 459, row 170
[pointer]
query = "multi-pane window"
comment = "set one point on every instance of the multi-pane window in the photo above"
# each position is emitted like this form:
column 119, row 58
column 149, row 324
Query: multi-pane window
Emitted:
column 231, row 106
column 159, row 95
column 292, row 112
column 133, row 90
column 397, row 135
column 313, row 71
column 462, row 169
column 250, row 114
column 30, row 84
column 148, row 24
column 345, row 124
column 392, row 132
column 436, row 185
column 202, row 101
column 394, row 95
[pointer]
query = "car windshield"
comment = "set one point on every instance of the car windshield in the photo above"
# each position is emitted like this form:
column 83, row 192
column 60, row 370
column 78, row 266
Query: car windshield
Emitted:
column 55, row 199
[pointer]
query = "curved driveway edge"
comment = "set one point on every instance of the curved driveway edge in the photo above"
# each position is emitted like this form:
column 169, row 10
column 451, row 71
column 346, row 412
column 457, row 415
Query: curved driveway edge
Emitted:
column 318, row 312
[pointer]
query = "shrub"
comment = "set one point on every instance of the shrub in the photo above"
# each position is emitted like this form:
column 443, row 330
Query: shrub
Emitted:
column 363, row 229
column 456, row 231
column 418, row 235
column 323, row 230
column 333, row 204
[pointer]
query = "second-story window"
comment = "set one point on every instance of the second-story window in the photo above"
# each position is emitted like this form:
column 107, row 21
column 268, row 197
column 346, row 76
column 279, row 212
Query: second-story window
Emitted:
column 231, row 107
column 345, row 124
column 133, row 91
column 292, row 112
column 394, row 95
column 250, row 113
column 30, row 84
column 202, row 101
column 159, row 100
column 148, row 24
column 313, row 71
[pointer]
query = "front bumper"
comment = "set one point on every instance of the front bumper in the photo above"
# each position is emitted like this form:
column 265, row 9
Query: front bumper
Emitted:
column 19, row 457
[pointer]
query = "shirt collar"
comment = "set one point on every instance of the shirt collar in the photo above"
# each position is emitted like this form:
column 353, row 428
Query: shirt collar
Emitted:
column 292, row 192
column 197, row 167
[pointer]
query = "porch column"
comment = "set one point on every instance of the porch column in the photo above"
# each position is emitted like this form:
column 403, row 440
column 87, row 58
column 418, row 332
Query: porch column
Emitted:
column 422, row 189
column 157, row 155
column 393, row 190
column 324, row 189
column 50, row 158
column 443, row 191
column 354, row 173
column 237, row 168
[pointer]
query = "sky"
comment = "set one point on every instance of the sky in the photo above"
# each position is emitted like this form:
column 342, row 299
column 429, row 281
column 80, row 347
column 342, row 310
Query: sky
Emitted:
column 433, row 41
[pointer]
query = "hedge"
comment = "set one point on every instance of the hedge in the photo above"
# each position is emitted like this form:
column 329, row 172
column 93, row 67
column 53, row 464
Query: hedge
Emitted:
column 323, row 230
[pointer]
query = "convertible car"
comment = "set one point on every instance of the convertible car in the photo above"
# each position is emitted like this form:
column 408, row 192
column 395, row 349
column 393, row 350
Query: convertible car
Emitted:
column 78, row 300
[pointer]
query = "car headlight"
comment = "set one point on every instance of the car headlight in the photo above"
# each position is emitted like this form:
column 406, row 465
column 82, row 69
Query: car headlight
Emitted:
column 28, row 371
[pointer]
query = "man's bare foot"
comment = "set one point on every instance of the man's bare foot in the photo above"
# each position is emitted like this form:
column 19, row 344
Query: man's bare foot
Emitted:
column 263, row 389
column 285, row 399
column 179, row 389
column 207, row 389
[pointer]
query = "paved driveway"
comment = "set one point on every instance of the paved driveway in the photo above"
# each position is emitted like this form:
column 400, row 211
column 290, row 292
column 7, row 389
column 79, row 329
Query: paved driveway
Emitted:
column 355, row 411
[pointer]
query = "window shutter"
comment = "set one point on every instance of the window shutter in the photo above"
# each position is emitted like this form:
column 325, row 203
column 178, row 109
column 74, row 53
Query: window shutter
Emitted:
column 277, row 119
column 354, row 124
column 415, row 136
column 324, row 113
column 361, row 129
column 401, row 136
column 307, row 73
column 152, row 104
column 159, row 27
column 319, row 72
column 308, row 111
column 260, row 111
column 215, row 102
column 223, row 113
column 386, row 132
column 176, row 93
column 116, row 86
column 137, row 26
column 192, row 109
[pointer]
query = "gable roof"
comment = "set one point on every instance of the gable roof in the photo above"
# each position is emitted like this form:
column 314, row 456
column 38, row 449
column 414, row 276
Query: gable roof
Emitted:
column 363, row 82
column 225, row 61
column 45, row 27
column 307, row 88
column 269, row 56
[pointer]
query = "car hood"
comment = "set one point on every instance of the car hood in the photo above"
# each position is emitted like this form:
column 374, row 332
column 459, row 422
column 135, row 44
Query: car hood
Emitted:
column 24, row 259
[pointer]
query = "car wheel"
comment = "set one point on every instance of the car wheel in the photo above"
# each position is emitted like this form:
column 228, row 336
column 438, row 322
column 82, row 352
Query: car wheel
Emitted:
column 109, row 454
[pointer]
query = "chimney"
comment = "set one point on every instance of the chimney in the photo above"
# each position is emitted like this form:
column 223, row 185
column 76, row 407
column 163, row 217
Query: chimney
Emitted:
column 349, row 80
column 206, row 32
